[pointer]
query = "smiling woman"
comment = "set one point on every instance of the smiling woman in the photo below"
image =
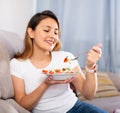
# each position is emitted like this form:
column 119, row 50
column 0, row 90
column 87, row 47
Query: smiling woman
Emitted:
column 39, row 92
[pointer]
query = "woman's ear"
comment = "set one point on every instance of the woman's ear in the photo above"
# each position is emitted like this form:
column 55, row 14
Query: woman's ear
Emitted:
column 30, row 32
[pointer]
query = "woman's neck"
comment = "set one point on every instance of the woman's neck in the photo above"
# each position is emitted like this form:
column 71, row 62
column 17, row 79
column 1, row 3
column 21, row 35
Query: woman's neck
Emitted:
column 41, row 59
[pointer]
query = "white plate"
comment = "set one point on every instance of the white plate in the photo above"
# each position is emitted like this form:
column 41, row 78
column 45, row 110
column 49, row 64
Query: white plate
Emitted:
column 62, row 76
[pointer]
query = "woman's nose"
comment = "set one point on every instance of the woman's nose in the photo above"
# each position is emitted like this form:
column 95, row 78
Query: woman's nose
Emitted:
column 53, row 35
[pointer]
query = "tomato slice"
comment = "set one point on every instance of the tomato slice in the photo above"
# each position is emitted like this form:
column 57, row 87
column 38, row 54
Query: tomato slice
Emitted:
column 51, row 72
column 45, row 71
column 58, row 71
column 66, row 59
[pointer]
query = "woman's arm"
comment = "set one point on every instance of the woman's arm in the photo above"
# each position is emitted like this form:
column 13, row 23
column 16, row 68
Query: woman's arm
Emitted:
column 87, row 85
column 30, row 100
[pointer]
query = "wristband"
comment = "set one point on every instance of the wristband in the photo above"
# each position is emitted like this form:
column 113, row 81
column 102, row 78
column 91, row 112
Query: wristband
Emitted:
column 90, row 70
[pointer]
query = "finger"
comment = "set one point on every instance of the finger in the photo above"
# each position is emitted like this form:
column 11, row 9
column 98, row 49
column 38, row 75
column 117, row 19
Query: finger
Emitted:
column 50, row 77
column 97, row 49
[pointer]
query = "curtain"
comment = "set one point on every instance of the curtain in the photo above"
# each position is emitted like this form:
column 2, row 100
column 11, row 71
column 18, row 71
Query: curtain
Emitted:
column 85, row 23
column 114, row 35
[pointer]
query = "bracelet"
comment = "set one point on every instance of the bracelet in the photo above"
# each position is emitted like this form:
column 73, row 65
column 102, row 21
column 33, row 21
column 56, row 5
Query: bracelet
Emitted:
column 90, row 70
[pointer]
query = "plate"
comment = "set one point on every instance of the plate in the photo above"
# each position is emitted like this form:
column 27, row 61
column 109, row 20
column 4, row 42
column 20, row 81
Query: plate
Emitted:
column 61, row 76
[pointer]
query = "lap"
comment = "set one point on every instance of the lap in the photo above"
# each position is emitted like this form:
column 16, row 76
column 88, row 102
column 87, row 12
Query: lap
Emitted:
column 82, row 107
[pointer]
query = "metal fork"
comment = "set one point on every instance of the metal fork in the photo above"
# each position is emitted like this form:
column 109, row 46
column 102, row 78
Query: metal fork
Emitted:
column 76, row 57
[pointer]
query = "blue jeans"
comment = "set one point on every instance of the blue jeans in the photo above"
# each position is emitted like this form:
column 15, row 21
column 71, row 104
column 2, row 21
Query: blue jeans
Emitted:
column 82, row 107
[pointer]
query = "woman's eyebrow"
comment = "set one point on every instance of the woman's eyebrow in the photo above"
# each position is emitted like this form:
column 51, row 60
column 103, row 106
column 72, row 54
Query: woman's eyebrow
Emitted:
column 50, row 27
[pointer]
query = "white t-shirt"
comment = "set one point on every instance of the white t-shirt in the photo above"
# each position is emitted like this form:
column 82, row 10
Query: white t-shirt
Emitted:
column 57, row 98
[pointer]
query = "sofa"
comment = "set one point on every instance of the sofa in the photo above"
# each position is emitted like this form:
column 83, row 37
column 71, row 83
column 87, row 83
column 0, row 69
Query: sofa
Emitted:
column 10, row 43
column 107, row 96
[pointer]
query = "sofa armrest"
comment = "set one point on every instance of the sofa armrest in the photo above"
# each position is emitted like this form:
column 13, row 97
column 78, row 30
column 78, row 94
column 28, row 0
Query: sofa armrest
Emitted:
column 18, row 108
column 5, row 107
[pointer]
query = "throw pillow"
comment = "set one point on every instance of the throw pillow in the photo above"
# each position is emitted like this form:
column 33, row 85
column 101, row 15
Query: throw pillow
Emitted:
column 106, row 88
column 115, row 78
column 10, row 43
column 6, row 88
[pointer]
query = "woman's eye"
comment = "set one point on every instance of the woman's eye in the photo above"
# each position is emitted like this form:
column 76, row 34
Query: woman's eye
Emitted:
column 46, row 30
column 56, row 33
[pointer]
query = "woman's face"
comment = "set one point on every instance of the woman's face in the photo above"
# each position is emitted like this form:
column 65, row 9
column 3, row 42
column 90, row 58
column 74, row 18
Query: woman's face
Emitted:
column 45, row 36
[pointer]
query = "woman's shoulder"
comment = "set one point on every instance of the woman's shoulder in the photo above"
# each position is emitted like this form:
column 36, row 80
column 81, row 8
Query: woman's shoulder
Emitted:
column 16, row 61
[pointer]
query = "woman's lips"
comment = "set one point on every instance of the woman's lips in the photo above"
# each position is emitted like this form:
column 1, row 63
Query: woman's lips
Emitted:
column 50, row 42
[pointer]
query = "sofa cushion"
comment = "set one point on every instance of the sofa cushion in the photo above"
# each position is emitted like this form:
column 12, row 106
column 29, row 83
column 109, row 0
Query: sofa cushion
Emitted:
column 106, row 88
column 10, row 44
column 107, row 103
column 12, row 41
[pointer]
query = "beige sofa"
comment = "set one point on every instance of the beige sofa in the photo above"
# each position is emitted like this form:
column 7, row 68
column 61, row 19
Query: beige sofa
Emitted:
column 107, row 97
column 10, row 43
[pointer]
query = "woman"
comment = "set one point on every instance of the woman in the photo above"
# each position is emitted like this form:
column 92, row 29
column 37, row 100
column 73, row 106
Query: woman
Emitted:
column 39, row 93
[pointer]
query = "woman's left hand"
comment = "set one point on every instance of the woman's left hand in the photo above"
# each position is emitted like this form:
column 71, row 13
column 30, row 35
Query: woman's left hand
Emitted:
column 93, row 56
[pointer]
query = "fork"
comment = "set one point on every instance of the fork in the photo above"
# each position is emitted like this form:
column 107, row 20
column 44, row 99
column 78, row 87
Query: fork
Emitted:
column 76, row 57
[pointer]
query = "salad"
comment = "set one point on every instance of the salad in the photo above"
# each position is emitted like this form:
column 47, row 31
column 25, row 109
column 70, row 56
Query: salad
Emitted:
column 57, row 71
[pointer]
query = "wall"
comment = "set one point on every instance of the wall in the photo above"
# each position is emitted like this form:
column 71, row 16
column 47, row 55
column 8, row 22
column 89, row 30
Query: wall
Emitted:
column 15, row 14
